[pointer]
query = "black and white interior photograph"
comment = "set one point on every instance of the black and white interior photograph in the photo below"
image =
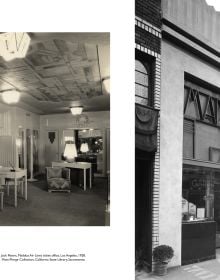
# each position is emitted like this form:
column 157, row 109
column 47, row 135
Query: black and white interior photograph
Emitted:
column 55, row 129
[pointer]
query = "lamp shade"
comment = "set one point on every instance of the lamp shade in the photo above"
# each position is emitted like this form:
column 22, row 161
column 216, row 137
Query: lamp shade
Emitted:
column 18, row 142
column 106, row 83
column 10, row 96
column 14, row 45
column 76, row 110
column 70, row 152
column 84, row 148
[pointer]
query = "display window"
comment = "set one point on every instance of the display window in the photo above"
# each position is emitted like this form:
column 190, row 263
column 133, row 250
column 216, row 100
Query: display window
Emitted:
column 201, row 194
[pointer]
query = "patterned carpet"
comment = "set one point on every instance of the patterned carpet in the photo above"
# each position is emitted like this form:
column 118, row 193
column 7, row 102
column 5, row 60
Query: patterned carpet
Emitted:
column 78, row 208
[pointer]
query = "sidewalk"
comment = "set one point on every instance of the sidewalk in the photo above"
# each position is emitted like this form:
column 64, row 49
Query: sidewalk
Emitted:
column 208, row 270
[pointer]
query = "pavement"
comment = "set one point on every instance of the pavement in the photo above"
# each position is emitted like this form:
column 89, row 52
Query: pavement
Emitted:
column 208, row 270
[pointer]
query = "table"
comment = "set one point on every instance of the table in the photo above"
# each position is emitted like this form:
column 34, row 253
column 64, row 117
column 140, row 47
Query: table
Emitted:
column 5, row 172
column 77, row 165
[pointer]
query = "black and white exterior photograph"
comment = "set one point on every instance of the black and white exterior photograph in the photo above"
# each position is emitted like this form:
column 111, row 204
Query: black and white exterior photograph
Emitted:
column 177, row 139
column 55, row 128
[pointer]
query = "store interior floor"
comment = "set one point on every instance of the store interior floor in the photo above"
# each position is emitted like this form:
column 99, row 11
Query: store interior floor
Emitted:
column 78, row 208
column 208, row 270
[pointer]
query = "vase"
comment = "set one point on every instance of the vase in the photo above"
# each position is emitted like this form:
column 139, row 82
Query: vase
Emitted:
column 160, row 269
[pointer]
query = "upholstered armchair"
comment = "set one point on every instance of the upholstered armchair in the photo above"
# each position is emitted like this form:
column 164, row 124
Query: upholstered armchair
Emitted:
column 58, row 179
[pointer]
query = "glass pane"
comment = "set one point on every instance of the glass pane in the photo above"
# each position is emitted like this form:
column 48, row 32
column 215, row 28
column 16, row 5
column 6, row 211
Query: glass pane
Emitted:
column 141, row 78
column 198, row 193
column 141, row 91
column 140, row 67
column 140, row 100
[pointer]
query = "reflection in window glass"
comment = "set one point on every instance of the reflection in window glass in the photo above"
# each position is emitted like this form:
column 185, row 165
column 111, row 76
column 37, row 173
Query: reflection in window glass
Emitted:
column 199, row 186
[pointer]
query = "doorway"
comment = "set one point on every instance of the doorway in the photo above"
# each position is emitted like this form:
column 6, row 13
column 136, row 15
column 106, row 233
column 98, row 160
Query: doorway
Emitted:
column 143, row 206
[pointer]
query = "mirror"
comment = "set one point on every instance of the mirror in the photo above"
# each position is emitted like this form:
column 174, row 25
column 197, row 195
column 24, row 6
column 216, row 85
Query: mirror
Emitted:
column 90, row 145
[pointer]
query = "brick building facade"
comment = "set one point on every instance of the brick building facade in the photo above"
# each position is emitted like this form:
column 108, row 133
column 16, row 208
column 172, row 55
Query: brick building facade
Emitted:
column 177, row 129
column 147, row 103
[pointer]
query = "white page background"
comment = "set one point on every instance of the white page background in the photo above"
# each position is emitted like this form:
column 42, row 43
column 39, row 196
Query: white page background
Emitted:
column 109, row 250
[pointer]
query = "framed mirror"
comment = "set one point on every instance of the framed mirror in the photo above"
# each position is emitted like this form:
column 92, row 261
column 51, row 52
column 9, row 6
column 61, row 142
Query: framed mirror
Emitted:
column 90, row 147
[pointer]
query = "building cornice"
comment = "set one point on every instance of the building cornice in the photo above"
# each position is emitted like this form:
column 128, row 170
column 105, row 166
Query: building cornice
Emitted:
column 188, row 42
column 195, row 17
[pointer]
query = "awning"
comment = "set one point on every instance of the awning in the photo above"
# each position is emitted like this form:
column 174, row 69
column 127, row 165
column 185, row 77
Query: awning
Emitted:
column 146, row 128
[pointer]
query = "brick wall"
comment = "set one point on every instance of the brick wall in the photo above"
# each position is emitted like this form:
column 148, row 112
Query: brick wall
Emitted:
column 148, row 24
column 146, row 39
column 149, row 10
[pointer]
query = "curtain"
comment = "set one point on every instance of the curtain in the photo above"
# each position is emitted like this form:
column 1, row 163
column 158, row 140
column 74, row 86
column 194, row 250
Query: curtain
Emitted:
column 146, row 128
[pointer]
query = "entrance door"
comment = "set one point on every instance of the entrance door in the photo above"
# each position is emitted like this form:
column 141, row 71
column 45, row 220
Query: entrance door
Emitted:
column 143, row 207
column 51, row 147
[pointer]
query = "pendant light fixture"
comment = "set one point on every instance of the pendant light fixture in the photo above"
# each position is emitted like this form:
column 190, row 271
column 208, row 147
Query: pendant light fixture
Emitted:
column 76, row 110
column 14, row 45
column 11, row 96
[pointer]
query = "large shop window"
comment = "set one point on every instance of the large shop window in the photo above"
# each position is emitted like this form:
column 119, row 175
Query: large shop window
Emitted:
column 199, row 185
column 201, row 194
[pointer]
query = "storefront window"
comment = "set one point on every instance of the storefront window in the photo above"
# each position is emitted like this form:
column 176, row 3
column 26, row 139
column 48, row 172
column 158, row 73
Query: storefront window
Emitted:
column 199, row 186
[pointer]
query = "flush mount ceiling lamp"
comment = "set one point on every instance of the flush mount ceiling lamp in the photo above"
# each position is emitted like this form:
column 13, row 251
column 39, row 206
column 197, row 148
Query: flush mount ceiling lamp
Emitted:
column 14, row 45
column 76, row 110
column 11, row 96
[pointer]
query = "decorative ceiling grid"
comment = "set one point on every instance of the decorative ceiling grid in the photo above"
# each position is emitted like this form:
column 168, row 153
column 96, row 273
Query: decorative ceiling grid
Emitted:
column 54, row 71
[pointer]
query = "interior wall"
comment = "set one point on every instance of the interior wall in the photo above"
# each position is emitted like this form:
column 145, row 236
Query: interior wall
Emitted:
column 7, row 155
column 174, row 63
column 11, row 119
column 24, row 119
column 60, row 122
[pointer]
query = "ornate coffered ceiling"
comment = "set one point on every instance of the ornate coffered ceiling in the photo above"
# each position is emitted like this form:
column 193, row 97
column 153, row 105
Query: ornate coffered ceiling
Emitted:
column 59, row 71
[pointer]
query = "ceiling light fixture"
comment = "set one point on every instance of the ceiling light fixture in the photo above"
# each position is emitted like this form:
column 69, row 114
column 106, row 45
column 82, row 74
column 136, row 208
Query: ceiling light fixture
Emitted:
column 106, row 84
column 14, row 45
column 11, row 96
column 76, row 110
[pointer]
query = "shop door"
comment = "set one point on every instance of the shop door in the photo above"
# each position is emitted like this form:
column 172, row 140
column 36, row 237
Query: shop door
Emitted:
column 51, row 147
column 143, row 207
